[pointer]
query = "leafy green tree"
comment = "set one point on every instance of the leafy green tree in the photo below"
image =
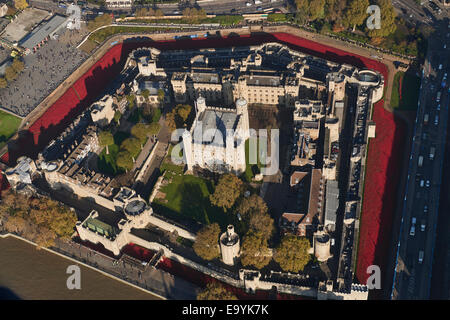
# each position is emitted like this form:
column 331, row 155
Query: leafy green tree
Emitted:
column 132, row 145
column 215, row 291
column 206, row 243
column 124, row 160
column 131, row 101
column 316, row 9
column 145, row 93
column 355, row 14
column 292, row 253
column 140, row 131
column 105, row 139
column 154, row 128
column 228, row 190
column 161, row 95
column 117, row 117
column 388, row 16
column 255, row 251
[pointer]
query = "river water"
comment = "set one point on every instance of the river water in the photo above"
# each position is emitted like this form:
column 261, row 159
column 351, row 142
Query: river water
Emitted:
column 28, row 273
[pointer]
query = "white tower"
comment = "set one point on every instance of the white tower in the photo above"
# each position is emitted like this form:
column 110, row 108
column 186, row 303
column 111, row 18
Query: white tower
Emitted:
column 187, row 149
column 229, row 246
column 242, row 110
column 201, row 104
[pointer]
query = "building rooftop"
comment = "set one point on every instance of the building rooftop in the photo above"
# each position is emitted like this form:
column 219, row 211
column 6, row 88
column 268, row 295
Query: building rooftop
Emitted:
column 42, row 32
column 215, row 123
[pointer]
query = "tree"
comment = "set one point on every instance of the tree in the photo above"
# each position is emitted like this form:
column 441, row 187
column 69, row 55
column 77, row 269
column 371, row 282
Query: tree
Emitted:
column 262, row 222
column 99, row 21
column 215, row 291
column 132, row 145
column 145, row 93
column 45, row 238
column 355, row 14
column 3, row 83
column 140, row 131
column 170, row 121
column 316, row 9
column 227, row 191
column 183, row 111
column 292, row 253
column 206, row 243
column 20, row 4
column 10, row 73
column 117, row 116
column 131, row 101
column 161, row 95
column 252, row 205
column 159, row 13
column 124, row 160
column 388, row 16
column 105, row 139
column 18, row 65
column 255, row 251
column 154, row 128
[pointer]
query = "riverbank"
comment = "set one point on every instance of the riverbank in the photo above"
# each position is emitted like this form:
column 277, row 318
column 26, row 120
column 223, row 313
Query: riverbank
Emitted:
column 28, row 273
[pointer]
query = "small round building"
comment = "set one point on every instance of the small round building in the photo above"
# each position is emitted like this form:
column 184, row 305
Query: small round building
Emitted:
column 229, row 246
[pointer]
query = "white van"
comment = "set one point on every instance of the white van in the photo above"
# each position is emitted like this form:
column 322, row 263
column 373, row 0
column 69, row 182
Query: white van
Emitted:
column 422, row 183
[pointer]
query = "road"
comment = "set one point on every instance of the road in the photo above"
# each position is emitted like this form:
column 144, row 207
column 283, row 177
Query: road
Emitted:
column 421, row 203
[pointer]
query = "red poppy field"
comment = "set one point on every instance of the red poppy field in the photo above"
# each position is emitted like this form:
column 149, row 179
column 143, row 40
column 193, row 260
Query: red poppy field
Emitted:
column 382, row 171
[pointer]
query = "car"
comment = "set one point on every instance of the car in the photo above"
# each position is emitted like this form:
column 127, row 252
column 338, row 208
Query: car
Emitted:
column 438, row 107
column 445, row 76
column 248, row 4
column 422, row 226
column 421, row 254
column 258, row 9
column 427, row 183
column 425, row 209
column 440, row 66
column 413, row 220
column 412, row 232
column 421, row 183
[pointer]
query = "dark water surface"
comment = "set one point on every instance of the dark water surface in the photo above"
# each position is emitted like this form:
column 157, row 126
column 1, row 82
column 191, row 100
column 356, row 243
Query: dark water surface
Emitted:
column 28, row 273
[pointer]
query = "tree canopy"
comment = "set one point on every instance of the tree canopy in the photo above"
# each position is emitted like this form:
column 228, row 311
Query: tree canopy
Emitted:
column 38, row 219
column 20, row 4
column 228, row 190
column 206, row 243
column 132, row 145
column 140, row 131
column 215, row 291
column 388, row 16
column 3, row 83
column 255, row 251
column 179, row 116
column 124, row 160
column 356, row 14
column 292, row 253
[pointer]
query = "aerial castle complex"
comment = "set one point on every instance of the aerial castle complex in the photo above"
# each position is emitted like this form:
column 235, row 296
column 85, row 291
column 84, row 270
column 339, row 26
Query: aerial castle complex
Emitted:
column 327, row 101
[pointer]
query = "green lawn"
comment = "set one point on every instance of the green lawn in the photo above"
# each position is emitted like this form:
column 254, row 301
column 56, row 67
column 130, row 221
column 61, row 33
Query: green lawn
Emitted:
column 107, row 162
column 188, row 199
column 409, row 91
column 250, row 169
column 8, row 126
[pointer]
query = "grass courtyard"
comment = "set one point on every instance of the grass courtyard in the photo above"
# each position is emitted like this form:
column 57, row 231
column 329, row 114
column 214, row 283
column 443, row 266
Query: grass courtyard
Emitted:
column 405, row 91
column 187, row 198
column 8, row 126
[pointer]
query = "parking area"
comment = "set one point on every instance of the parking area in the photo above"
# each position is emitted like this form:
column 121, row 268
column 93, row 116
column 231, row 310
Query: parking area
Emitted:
column 23, row 24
